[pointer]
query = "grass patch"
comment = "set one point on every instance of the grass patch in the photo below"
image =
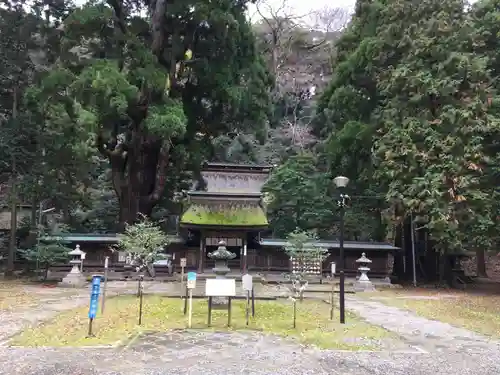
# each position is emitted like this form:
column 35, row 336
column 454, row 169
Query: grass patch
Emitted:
column 119, row 322
column 478, row 313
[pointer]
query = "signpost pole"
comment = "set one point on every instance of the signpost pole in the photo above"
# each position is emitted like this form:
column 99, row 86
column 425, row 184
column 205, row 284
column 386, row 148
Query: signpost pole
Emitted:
column 90, row 334
column 294, row 313
column 94, row 300
column 183, row 264
column 141, row 292
column 333, row 290
column 185, row 298
column 82, row 258
column 229, row 311
column 253, row 304
column 190, row 308
column 191, row 284
column 248, row 305
column 209, row 311
column 247, row 282
column 106, row 264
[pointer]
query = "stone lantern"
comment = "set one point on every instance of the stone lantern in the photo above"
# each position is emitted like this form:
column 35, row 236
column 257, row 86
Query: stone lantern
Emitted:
column 75, row 277
column 363, row 284
column 221, row 257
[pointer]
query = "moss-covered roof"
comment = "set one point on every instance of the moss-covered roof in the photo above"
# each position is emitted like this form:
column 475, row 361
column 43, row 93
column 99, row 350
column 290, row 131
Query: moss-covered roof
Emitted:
column 235, row 216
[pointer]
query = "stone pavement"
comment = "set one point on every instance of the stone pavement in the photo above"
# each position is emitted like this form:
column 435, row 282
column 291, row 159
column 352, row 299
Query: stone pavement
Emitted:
column 438, row 348
column 428, row 335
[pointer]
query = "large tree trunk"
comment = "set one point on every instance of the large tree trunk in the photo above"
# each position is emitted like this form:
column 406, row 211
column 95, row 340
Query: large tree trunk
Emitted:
column 139, row 173
column 481, row 263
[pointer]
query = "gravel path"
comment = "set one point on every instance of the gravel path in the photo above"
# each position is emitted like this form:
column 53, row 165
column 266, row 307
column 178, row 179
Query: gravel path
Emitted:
column 439, row 348
column 429, row 335
column 235, row 353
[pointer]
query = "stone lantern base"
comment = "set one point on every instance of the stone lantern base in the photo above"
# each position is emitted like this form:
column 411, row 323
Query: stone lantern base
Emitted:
column 363, row 286
column 74, row 279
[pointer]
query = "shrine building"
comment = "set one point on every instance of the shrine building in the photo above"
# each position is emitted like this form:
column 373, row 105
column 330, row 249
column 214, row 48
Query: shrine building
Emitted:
column 230, row 208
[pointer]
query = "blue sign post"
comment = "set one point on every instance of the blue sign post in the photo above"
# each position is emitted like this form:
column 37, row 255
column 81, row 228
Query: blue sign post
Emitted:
column 94, row 301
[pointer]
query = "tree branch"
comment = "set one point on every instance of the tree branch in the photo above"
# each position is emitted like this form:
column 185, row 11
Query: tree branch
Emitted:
column 117, row 6
column 157, row 26
column 116, row 153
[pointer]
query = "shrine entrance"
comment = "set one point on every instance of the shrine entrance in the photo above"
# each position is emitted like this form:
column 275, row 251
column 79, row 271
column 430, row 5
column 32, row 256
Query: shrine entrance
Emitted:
column 228, row 210
column 234, row 245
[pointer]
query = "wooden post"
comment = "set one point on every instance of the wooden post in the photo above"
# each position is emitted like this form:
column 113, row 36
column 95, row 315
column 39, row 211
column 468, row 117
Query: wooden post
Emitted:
column 247, row 311
column 186, row 301
column 190, row 317
column 202, row 253
column 253, row 304
column 332, row 300
column 209, row 311
column 245, row 255
column 294, row 313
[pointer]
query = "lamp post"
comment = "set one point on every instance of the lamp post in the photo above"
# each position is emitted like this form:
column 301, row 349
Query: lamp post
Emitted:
column 341, row 183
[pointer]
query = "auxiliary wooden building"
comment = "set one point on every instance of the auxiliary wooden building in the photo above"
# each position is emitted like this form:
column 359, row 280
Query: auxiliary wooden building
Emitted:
column 230, row 207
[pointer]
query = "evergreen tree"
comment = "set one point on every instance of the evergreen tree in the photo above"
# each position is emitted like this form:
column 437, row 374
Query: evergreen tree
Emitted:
column 155, row 97
column 436, row 113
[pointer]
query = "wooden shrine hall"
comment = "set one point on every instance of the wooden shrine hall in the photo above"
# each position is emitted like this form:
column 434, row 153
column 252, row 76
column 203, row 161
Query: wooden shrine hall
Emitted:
column 231, row 208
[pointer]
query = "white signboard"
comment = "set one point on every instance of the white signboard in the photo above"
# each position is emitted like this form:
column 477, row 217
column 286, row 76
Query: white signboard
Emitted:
column 183, row 262
column 334, row 266
column 220, row 288
column 106, row 262
column 82, row 257
column 191, row 280
column 246, row 280
column 245, row 250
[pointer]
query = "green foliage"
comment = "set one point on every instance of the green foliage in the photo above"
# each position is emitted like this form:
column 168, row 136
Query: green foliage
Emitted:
column 300, row 246
column 144, row 242
column 430, row 146
column 297, row 197
column 407, row 114
column 154, row 109
column 47, row 254
column 305, row 254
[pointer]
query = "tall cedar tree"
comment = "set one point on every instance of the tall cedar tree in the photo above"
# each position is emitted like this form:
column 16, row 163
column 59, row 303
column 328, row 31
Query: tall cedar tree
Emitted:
column 344, row 119
column 157, row 89
column 437, row 109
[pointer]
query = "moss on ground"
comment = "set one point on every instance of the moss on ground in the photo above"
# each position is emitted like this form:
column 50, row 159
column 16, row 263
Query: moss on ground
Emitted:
column 119, row 322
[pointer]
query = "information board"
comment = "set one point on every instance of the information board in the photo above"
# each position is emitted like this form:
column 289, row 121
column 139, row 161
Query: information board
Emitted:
column 247, row 281
column 191, row 280
column 220, row 288
column 94, row 296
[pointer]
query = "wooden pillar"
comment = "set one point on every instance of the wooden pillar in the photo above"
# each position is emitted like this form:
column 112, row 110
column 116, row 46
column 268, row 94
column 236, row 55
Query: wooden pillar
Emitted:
column 201, row 260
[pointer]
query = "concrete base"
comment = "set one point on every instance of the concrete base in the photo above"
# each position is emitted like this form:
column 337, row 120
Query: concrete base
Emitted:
column 363, row 286
column 73, row 280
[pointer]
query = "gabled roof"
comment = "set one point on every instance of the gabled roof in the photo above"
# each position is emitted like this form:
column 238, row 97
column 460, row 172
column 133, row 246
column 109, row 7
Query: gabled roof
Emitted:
column 105, row 238
column 335, row 244
column 238, row 168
